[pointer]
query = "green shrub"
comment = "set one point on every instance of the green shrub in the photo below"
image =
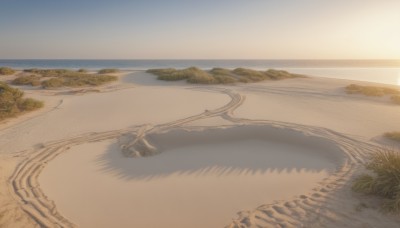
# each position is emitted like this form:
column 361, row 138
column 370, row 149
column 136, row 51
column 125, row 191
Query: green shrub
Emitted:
column 32, row 80
column 6, row 71
column 108, row 71
column 12, row 102
column 395, row 135
column 384, row 180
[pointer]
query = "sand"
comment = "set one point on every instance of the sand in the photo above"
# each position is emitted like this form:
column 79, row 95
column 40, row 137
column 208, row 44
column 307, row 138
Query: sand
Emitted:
column 146, row 153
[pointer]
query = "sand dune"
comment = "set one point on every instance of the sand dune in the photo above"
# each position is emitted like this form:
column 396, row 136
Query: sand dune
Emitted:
column 141, row 146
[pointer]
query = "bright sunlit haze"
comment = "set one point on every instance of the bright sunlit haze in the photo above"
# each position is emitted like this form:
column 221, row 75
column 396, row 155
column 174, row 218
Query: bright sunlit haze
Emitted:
column 306, row 29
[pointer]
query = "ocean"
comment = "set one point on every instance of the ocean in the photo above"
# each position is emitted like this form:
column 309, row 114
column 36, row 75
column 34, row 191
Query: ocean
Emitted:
column 381, row 71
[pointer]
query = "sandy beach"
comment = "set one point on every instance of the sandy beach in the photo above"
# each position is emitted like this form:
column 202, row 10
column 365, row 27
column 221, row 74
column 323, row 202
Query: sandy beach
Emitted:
column 146, row 153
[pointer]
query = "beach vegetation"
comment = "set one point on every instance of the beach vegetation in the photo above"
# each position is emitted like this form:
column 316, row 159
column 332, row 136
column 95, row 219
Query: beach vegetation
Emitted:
column 395, row 135
column 108, row 71
column 53, row 83
column 6, row 71
column 13, row 103
column 219, row 75
column 78, row 80
column 383, row 179
column 32, row 80
column 374, row 91
column 49, row 72
column 170, row 74
column 82, row 70
column 67, row 78
column 252, row 75
column 197, row 76
column 281, row 74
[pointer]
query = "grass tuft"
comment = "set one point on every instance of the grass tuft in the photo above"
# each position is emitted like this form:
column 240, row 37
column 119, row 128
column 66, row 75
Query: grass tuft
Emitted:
column 13, row 103
column 385, row 179
column 108, row 71
column 6, row 71
column 32, row 80
column 218, row 75
column 68, row 78
column 373, row 91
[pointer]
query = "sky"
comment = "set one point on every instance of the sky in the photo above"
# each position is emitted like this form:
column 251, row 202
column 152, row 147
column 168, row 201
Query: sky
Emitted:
column 194, row 29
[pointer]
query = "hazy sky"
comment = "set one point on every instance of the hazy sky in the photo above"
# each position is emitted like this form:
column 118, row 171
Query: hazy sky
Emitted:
column 200, row 29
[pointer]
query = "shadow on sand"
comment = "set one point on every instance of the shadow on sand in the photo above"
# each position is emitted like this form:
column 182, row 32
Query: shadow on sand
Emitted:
column 243, row 150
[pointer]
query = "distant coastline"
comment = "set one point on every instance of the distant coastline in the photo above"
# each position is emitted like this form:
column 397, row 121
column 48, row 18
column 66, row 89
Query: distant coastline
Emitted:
column 144, row 64
column 378, row 71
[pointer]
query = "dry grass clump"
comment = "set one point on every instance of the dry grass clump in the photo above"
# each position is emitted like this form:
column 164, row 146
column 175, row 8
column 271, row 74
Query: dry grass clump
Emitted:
column 69, row 78
column 219, row 75
column 171, row 74
column 384, row 180
column 78, row 80
column 108, row 71
column 395, row 135
column 32, row 80
column 197, row 76
column 252, row 75
column 82, row 70
column 374, row 91
column 50, row 72
column 6, row 71
column 12, row 102
column 281, row 74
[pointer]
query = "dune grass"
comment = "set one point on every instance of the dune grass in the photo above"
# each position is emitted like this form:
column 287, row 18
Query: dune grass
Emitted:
column 50, row 72
column 78, row 80
column 32, row 80
column 68, row 78
column 395, row 135
column 6, row 71
column 82, row 70
column 108, row 71
column 384, row 180
column 13, row 103
column 375, row 91
column 219, row 75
